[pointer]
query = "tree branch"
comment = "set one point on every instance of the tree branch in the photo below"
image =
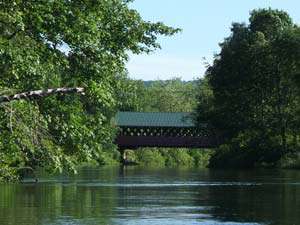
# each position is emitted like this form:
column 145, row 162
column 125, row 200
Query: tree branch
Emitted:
column 40, row 94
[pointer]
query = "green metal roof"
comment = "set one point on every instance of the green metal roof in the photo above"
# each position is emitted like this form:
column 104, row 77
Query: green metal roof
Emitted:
column 154, row 119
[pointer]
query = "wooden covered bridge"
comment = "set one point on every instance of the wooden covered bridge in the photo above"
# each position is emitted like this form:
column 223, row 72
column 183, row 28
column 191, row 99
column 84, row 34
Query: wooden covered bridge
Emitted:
column 157, row 129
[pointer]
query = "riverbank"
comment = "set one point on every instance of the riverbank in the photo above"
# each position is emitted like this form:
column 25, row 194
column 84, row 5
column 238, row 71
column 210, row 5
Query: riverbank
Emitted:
column 290, row 162
column 163, row 158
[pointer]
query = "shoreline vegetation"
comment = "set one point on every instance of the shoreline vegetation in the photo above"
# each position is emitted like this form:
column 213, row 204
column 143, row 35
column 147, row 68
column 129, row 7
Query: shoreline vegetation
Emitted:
column 155, row 157
column 251, row 91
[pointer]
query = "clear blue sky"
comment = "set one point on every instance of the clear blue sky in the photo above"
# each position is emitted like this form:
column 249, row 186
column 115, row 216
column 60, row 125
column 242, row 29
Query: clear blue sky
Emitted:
column 204, row 24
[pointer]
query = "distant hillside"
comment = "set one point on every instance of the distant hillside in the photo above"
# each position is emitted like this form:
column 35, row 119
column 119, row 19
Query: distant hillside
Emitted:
column 149, row 83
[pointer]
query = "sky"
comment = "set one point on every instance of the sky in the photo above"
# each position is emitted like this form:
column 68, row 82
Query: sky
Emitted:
column 204, row 24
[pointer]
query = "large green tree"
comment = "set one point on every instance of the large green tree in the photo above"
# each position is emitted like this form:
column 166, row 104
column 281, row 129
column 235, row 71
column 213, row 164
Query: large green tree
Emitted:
column 51, row 44
column 255, row 101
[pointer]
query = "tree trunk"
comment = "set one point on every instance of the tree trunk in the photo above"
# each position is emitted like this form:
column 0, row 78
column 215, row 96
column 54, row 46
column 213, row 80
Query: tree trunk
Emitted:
column 40, row 94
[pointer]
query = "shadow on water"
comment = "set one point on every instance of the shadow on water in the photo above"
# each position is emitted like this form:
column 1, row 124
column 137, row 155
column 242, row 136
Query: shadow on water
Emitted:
column 140, row 196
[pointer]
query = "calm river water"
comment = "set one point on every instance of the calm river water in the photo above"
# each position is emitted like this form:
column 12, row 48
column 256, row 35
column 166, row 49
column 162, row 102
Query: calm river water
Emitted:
column 139, row 196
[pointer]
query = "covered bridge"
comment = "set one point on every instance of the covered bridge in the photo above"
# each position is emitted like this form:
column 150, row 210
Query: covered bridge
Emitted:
column 162, row 129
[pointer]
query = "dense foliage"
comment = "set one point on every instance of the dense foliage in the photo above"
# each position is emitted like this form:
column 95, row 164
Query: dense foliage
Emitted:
column 253, row 91
column 172, row 95
column 48, row 44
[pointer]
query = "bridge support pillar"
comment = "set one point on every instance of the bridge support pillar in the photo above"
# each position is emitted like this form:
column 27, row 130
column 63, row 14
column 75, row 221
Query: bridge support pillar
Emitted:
column 123, row 157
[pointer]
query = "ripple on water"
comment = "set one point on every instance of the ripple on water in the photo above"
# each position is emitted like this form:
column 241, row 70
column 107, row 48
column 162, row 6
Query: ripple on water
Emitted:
column 177, row 184
column 168, row 221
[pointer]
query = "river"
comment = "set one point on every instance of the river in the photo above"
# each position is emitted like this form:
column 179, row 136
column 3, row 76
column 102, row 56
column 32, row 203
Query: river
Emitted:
column 140, row 196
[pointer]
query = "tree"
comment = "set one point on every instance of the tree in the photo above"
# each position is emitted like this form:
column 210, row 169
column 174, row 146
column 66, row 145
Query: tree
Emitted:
column 255, row 98
column 65, row 44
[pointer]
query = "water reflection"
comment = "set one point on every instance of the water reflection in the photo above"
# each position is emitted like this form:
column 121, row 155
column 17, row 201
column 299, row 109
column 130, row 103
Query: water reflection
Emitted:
column 116, row 196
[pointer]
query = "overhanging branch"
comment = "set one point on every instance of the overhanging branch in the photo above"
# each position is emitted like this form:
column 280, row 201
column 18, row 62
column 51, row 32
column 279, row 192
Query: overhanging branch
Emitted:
column 41, row 93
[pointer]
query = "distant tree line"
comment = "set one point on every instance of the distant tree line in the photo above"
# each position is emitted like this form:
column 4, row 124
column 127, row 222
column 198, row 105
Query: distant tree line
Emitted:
column 172, row 95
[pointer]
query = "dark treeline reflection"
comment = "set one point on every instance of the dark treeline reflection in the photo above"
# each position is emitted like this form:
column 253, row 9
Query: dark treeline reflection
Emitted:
column 154, row 196
column 268, row 196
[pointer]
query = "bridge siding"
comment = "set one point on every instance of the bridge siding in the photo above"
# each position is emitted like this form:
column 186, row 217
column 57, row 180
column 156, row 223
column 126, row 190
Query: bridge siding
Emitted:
column 172, row 130
column 133, row 142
